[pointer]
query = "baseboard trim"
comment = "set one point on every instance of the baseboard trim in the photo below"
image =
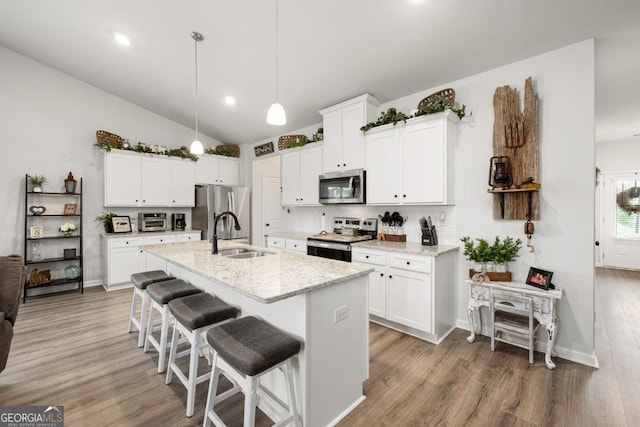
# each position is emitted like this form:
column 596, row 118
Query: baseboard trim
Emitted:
column 347, row 411
column 561, row 352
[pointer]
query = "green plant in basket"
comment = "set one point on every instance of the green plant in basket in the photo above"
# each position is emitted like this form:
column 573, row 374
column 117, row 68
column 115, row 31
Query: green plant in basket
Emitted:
column 506, row 250
column 478, row 253
column 105, row 219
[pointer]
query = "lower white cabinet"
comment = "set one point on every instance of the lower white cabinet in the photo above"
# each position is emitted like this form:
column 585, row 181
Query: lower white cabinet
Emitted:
column 410, row 292
column 288, row 245
column 124, row 256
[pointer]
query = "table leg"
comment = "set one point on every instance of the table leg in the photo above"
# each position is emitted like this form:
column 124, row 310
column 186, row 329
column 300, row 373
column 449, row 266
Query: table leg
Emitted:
column 552, row 330
column 472, row 327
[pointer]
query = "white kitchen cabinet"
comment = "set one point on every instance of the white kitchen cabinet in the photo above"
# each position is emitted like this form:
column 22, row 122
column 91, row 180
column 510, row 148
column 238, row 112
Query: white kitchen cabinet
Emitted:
column 132, row 180
column 409, row 300
column 219, row 170
column 155, row 181
column 183, row 174
column 188, row 237
column 294, row 245
column 300, row 169
column 287, row 245
column 124, row 256
column 412, row 163
column 410, row 292
column 276, row 243
column 121, row 179
column 343, row 139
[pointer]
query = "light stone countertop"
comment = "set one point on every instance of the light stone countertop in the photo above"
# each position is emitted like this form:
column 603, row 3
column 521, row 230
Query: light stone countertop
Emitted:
column 146, row 233
column 266, row 279
column 406, row 247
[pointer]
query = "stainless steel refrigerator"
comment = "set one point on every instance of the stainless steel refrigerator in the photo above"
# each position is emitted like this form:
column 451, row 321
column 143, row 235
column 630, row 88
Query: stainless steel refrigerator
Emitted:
column 215, row 199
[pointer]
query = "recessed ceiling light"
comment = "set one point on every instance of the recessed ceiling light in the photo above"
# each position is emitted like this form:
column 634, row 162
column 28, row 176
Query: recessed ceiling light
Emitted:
column 122, row 39
column 229, row 100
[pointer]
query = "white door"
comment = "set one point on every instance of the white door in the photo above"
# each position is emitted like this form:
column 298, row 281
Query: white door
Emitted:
column 121, row 180
column 620, row 227
column 183, row 181
column 310, row 167
column 423, row 163
column 228, row 171
column 383, row 154
column 271, row 207
column 155, row 181
column 290, row 176
column 409, row 299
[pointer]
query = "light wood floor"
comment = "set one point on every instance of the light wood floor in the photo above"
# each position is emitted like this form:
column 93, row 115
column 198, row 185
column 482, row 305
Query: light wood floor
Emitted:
column 73, row 350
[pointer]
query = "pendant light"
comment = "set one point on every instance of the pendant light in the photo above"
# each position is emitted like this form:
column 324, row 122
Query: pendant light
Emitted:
column 276, row 115
column 196, row 145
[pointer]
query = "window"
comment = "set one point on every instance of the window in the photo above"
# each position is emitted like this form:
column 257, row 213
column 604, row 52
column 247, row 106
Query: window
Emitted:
column 627, row 208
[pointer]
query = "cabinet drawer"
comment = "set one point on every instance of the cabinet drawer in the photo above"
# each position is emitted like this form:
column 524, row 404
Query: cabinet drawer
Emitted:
column 276, row 242
column 421, row 264
column 368, row 256
column 154, row 240
column 126, row 243
column 296, row 246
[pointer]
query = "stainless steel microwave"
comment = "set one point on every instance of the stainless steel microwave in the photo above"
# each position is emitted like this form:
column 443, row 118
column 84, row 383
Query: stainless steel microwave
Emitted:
column 346, row 187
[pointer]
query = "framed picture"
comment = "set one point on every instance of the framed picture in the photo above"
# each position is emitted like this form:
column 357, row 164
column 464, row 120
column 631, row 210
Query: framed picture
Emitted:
column 70, row 208
column 69, row 253
column 539, row 278
column 121, row 224
column 35, row 232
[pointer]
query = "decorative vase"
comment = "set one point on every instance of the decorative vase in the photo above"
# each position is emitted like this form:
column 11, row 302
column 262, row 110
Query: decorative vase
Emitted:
column 72, row 272
column 37, row 189
column 480, row 267
column 491, row 266
column 501, row 267
column 67, row 233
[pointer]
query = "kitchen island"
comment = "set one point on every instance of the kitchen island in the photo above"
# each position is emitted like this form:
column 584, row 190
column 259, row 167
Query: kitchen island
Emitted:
column 320, row 301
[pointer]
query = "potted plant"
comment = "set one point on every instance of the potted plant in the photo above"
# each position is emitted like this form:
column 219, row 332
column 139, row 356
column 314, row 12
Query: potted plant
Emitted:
column 36, row 182
column 480, row 254
column 105, row 219
column 505, row 251
column 67, row 229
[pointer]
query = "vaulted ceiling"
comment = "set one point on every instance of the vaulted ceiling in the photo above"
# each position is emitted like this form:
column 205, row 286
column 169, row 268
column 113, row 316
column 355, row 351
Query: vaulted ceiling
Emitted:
column 330, row 50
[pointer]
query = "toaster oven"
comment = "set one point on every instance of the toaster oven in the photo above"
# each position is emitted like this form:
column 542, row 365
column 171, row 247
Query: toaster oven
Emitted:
column 152, row 221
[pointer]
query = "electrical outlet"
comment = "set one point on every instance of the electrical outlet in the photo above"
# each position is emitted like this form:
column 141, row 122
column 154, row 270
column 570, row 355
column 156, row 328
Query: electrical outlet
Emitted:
column 340, row 314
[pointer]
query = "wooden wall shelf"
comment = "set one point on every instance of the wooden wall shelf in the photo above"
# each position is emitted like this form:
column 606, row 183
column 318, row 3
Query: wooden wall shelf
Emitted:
column 512, row 190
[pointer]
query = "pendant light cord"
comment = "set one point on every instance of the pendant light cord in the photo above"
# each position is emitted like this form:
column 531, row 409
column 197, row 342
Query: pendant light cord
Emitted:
column 277, row 51
column 195, row 40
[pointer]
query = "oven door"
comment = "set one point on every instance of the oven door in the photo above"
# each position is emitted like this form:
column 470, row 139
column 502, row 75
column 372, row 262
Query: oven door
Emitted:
column 331, row 250
column 346, row 187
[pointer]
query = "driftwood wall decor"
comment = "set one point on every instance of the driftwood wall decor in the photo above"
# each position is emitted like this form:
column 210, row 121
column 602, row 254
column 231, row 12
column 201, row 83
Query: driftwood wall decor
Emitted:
column 515, row 135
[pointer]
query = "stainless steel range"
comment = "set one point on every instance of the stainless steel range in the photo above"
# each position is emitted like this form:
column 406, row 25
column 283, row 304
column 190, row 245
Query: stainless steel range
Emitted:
column 337, row 245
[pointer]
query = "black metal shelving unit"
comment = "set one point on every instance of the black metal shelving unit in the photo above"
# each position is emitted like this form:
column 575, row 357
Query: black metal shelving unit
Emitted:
column 31, row 198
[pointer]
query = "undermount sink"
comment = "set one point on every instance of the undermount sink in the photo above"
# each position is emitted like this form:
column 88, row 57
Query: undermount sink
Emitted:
column 234, row 251
column 250, row 254
column 241, row 253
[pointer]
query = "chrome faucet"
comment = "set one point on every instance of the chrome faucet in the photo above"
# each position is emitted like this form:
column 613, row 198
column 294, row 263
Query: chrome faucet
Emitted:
column 214, row 242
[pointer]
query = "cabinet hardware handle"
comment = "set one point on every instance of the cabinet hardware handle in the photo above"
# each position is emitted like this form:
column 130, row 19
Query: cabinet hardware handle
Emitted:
column 344, row 164
column 390, row 276
column 408, row 263
column 395, row 195
column 338, row 165
column 381, row 274
column 267, row 224
column 404, row 195
column 366, row 256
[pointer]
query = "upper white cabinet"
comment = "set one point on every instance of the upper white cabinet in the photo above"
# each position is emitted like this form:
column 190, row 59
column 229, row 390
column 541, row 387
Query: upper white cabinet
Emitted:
column 343, row 139
column 300, row 170
column 220, row 170
column 142, row 180
column 412, row 163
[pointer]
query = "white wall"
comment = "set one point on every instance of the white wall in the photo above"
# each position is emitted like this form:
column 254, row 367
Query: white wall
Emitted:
column 621, row 156
column 48, row 122
column 564, row 81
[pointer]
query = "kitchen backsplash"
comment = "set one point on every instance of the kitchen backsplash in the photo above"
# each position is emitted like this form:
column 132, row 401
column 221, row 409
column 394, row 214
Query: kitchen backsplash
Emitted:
column 309, row 219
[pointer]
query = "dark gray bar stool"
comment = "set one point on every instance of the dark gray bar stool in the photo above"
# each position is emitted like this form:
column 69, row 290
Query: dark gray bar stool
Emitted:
column 194, row 315
column 245, row 349
column 140, row 282
column 161, row 294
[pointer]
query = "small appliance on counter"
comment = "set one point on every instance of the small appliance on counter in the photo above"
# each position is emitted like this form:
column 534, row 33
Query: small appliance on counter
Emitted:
column 178, row 221
column 152, row 221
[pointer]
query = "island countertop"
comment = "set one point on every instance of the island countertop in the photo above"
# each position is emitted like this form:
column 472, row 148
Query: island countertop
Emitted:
column 268, row 278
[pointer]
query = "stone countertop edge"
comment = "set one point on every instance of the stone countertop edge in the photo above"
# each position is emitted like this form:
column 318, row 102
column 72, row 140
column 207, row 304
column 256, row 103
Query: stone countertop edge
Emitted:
column 147, row 233
column 266, row 279
column 406, row 247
